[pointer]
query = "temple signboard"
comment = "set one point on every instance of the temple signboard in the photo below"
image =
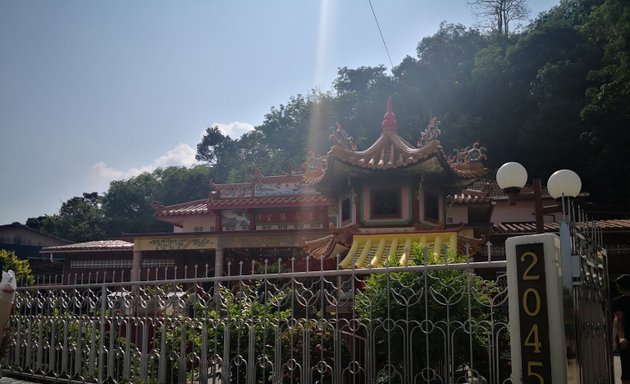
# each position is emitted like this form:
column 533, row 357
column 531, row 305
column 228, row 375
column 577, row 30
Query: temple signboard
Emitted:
column 274, row 219
column 175, row 243
column 282, row 189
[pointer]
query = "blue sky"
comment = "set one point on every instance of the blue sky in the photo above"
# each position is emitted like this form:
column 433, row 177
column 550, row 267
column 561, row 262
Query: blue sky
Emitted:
column 93, row 91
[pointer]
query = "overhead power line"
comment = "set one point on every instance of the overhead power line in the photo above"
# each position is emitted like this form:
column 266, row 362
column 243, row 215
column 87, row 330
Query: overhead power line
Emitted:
column 381, row 33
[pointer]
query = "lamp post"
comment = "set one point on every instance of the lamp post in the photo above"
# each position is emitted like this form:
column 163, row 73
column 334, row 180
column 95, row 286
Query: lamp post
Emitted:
column 512, row 177
column 541, row 300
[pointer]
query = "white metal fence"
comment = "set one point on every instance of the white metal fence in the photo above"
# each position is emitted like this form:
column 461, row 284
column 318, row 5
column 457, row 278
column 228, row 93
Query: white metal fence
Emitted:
column 430, row 322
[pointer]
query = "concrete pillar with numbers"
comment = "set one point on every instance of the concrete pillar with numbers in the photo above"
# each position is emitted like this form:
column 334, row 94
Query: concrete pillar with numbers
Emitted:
column 535, row 291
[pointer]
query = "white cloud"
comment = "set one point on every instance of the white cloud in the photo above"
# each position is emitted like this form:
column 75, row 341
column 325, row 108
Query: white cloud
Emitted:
column 101, row 174
column 182, row 155
column 234, row 129
column 102, row 171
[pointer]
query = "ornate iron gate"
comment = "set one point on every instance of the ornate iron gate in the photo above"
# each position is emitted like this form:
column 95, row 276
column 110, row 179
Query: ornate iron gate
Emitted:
column 587, row 306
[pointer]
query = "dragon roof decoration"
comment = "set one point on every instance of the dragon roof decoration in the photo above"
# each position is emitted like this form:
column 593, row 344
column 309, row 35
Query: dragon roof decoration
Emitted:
column 391, row 152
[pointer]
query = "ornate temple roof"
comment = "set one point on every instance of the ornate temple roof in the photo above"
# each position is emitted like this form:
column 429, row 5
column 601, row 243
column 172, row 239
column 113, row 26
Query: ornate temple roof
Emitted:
column 484, row 191
column 201, row 207
column 282, row 191
column 324, row 247
column 393, row 154
column 269, row 202
column 370, row 250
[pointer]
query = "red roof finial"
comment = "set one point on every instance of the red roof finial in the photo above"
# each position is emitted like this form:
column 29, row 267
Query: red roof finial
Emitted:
column 389, row 120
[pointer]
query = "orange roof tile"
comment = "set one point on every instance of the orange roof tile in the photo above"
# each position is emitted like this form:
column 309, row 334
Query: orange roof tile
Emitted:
column 269, row 202
column 491, row 188
column 320, row 248
column 530, row 227
column 197, row 207
column 118, row 245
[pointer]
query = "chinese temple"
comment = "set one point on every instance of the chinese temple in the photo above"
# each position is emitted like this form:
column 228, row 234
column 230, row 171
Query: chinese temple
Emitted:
column 394, row 194
column 348, row 209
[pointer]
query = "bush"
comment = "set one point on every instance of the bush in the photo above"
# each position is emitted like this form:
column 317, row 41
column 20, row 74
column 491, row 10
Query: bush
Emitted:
column 22, row 268
column 445, row 316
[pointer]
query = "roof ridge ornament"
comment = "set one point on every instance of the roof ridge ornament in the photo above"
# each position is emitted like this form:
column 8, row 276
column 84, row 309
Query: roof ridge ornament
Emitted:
column 341, row 138
column 389, row 120
column 430, row 133
column 469, row 154
column 315, row 165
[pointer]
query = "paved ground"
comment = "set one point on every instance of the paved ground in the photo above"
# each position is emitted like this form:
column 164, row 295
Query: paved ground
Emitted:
column 8, row 380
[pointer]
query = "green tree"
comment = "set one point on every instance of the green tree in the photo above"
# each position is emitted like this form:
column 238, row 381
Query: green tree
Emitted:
column 212, row 145
column 218, row 151
column 278, row 145
column 497, row 15
column 35, row 222
column 22, row 268
column 290, row 131
column 126, row 207
column 438, row 83
column 360, row 96
column 80, row 219
column 608, row 106
column 127, row 204
column 181, row 184
column 252, row 155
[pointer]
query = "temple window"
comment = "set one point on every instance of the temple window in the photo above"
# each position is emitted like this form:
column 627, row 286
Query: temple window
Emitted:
column 345, row 210
column 479, row 214
column 385, row 202
column 431, row 206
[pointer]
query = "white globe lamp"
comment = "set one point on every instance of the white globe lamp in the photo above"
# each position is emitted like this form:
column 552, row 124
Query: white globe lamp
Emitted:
column 511, row 176
column 564, row 183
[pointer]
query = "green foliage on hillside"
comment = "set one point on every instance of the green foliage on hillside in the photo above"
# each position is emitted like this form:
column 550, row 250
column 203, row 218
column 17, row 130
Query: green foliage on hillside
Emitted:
column 553, row 96
column 126, row 206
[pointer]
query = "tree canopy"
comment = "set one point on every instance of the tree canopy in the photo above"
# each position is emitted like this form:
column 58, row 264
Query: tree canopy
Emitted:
column 553, row 95
column 497, row 15
column 127, row 205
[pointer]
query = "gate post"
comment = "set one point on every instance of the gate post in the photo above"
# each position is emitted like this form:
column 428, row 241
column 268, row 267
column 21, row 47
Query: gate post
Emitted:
column 535, row 294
